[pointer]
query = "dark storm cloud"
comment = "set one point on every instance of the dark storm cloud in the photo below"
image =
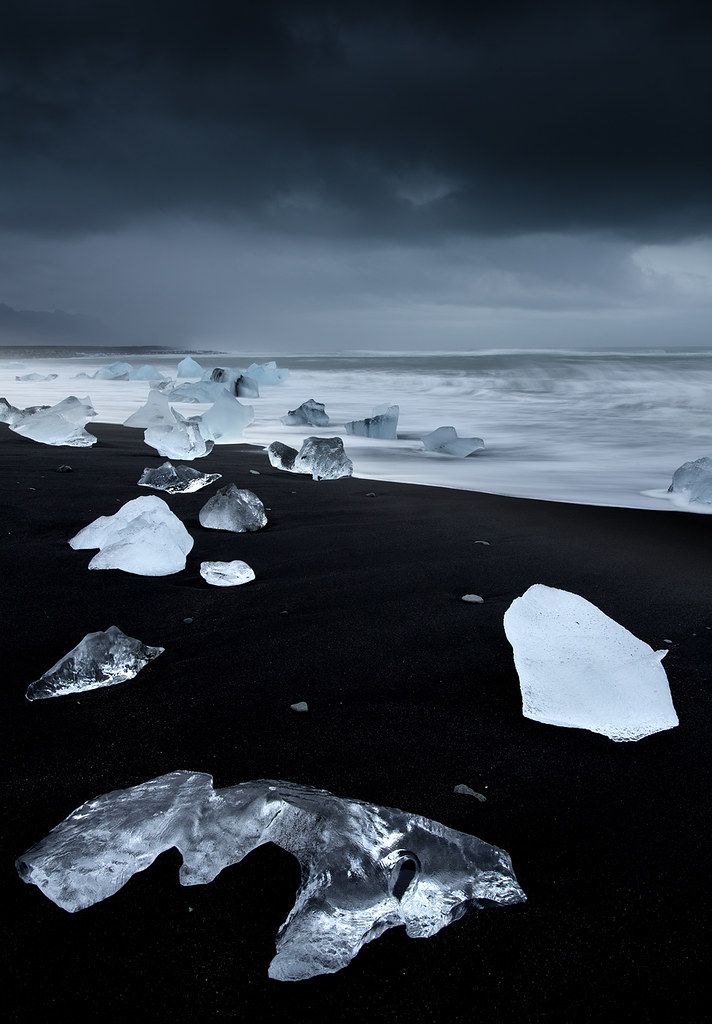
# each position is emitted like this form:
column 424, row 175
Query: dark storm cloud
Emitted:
column 397, row 120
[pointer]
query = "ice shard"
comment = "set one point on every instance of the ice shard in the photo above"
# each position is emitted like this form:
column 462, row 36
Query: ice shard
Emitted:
column 144, row 537
column 226, row 574
column 225, row 421
column 364, row 868
column 324, row 458
column 101, row 659
column 8, row 412
column 181, row 439
column 580, row 669
column 445, row 441
column 61, row 424
column 235, row 509
column 310, row 414
column 281, row 456
column 176, row 479
column 383, row 423
column 189, row 367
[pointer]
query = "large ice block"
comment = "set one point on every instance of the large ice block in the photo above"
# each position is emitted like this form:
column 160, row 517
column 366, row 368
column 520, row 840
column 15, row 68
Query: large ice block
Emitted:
column 235, row 509
column 61, row 424
column 155, row 412
column 181, row 439
column 266, row 373
column 189, row 367
column 309, row 413
column 225, row 421
column 383, row 423
column 324, row 458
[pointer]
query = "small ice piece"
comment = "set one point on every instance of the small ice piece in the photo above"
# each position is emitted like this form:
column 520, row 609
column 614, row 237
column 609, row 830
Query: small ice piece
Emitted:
column 580, row 669
column 226, row 420
column 445, row 441
column 38, row 376
column 226, row 574
column 182, row 439
column 310, row 414
column 64, row 468
column 246, row 387
column 483, row 542
column 324, row 458
column 266, row 373
column 462, row 790
column 61, row 424
column 234, row 509
column 691, row 485
column 301, row 705
column 176, row 479
column 383, row 423
column 364, row 868
column 101, row 659
column 144, row 537
column 189, row 367
column 156, row 412
column 114, row 371
column 473, row 599
column 281, row 456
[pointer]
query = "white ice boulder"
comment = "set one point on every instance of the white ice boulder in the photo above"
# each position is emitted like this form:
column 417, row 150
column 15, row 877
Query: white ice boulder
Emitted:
column 189, row 367
column 155, row 412
column 38, row 376
column 59, row 425
column 176, row 479
column 226, row 574
column 144, row 537
column 445, row 441
column 225, row 421
column 235, row 509
column 101, row 659
column 580, row 669
column 266, row 373
column 181, row 439
column 309, row 413
column 383, row 424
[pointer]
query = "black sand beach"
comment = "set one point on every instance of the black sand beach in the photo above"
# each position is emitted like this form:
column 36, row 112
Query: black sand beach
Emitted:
column 356, row 609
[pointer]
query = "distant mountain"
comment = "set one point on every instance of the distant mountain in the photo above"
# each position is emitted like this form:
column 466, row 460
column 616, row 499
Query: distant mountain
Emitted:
column 44, row 327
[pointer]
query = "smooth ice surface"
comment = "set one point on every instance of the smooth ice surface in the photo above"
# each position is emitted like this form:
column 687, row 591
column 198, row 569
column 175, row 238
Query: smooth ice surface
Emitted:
column 114, row 371
column 201, row 392
column 144, row 537
column 324, row 458
column 226, row 574
column 691, row 486
column 189, row 367
column 181, row 439
column 146, row 372
column 176, row 479
column 38, row 376
column 445, row 441
column 473, row 599
column 61, row 424
column 235, row 509
column 351, row 856
column 281, row 456
column 301, row 705
column 266, row 373
column 156, row 412
column 578, row 668
column 310, row 414
column 383, row 424
column 225, row 421
column 101, row 659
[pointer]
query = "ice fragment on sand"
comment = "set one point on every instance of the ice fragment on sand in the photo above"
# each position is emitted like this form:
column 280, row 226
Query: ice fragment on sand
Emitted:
column 235, row 509
column 301, row 705
column 226, row 420
column 181, row 439
column 462, row 790
column 383, row 423
column 61, row 424
column 144, row 537
column 38, row 376
column 579, row 668
column 364, row 868
column 101, row 659
column 64, row 468
column 692, row 485
column 446, row 441
column 189, row 367
column 176, row 479
column 226, row 574
column 310, row 413
column 281, row 456
column 473, row 599
column 324, row 458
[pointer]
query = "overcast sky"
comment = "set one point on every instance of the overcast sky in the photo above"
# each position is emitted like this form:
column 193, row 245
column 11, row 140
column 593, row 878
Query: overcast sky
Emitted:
column 307, row 176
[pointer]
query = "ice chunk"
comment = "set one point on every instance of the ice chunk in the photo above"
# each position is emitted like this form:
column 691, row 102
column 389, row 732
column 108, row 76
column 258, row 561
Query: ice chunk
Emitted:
column 176, row 479
column 281, row 456
column 266, row 373
column 301, row 705
column 473, row 599
column 60, row 424
column 156, row 412
column 691, row 485
column 182, row 439
column 234, row 509
column 364, row 868
column 578, row 668
column 38, row 376
column 8, row 412
column 324, row 458
column 189, row 367
column 114, row 371
column 202, row 391
column 146, row 372
column 226, row 574
column 246, row 387
column 226, row 420
column 144, row 537
column 310, row 414
column 446, row 441
column 462, row 790
column 383, row 423
column 101, row 659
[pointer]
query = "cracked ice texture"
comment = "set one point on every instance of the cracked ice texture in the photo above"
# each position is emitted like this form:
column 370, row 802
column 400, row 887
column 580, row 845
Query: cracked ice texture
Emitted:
column 445, row 441
column 350, row 854
column 383, row 423
column 310, row 414
column 181, row 439
column 580, row 669
column 226, row 574
column 101, row 659
column 59, row 425
column 176, row 479
column 225, row 421
column 235, row 509
column 144, row 537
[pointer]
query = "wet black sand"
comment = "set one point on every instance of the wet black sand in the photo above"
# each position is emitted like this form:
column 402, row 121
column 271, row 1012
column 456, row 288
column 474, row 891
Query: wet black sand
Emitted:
column 356, row 609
